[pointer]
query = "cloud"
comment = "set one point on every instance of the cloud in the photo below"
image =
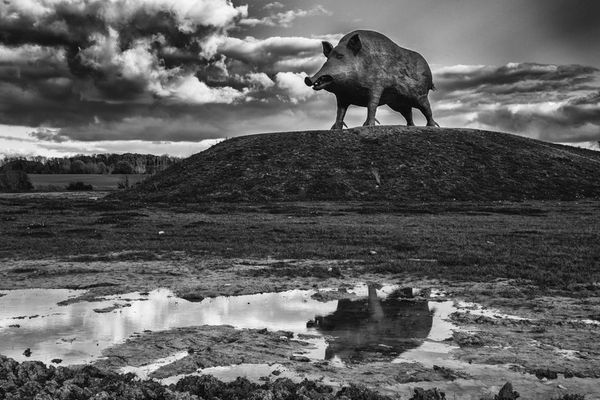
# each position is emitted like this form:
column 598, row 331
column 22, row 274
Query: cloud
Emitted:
column 273, row 5
column 192, row 91
column 111, row 68
column 273, row 54
column 86, row 71
column 559, row 103
column 120, row 49
column 258, row 80
column 284, row 18
column 293, row 86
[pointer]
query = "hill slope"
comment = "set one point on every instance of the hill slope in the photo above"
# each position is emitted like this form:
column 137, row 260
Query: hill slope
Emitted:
column 378, row 163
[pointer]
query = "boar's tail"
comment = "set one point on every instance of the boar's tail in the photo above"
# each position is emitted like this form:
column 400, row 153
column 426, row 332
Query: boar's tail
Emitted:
column 432, row 87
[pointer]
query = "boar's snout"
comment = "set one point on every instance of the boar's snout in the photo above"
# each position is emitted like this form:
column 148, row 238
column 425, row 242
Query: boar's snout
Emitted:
column 319, row 83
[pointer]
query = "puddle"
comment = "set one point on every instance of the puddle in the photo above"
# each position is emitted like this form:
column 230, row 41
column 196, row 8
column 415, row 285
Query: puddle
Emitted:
column 340, row 330
column 144, row 371
column 477, row 309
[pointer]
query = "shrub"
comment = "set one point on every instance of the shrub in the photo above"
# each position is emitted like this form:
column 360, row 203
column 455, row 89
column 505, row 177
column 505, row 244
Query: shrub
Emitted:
column 124, row 183
column 79, row 186
column 14, row 181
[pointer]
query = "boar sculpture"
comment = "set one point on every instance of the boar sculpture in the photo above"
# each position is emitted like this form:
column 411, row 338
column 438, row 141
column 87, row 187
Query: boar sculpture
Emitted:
column 367, row 69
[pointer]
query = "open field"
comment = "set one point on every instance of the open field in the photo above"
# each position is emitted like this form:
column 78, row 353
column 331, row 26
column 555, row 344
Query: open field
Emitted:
column 554, row 244
column 99, row 182
column 522, row 280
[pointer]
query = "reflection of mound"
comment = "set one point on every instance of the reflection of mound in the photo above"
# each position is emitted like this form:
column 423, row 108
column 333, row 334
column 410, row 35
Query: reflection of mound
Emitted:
column 390, row 327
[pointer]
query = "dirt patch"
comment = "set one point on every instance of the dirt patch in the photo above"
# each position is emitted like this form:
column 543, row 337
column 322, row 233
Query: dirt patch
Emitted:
column 207, row 346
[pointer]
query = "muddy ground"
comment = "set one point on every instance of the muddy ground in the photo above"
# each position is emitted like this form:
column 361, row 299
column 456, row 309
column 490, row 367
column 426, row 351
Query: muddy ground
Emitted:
column 534, row 264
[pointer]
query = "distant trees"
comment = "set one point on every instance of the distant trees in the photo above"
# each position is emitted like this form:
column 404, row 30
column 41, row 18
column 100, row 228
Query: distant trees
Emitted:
column 123, row 167
column 77, row 167
column 101, row 168
column 128, row 163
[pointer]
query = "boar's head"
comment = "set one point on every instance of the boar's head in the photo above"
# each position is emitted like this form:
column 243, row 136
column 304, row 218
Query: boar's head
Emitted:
column 342, row 67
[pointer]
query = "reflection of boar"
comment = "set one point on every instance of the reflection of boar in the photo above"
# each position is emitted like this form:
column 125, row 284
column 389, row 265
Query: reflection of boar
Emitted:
column 368, row 69
column 391, row 326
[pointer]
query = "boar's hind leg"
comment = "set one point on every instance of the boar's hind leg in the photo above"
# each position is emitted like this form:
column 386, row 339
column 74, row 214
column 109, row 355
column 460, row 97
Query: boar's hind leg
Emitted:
column 406, row 112
column 425, row 108
column 341, row 113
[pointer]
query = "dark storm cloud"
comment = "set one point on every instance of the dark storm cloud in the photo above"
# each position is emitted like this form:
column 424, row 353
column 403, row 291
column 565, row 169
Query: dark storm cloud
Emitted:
column 141, row 69
column 210, row 121
column 121, row 50
column 516, row 77
column 94, row 70
column 556, row 103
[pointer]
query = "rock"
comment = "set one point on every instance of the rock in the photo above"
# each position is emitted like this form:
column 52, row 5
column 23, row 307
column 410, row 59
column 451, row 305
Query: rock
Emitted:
column 311, row 323
column 568, row 373
column 14, row 326
column 108, row 309
column 545, row 373
column 507, row 393
column 56, row 360
column 299, row 358
column 449, row 374
column 192, row 297
column 429, row 394
column 466, row 339
column 27, row 352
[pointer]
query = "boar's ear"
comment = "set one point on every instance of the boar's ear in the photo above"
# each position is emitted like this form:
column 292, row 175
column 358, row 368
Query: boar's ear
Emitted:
column 327, row 47
column 354, row 44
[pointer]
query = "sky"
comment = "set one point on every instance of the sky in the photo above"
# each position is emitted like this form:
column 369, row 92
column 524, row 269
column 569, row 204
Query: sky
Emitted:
column 176, row 76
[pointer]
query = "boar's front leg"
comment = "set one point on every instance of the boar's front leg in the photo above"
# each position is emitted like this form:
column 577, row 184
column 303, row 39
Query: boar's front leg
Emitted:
column 341, row 113
column 374, row 97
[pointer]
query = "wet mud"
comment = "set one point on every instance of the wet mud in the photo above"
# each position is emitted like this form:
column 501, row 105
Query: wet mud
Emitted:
column 465, row 339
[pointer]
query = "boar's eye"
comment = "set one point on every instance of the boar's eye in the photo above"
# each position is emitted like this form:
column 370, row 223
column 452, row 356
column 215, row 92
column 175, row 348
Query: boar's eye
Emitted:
column 339, row 56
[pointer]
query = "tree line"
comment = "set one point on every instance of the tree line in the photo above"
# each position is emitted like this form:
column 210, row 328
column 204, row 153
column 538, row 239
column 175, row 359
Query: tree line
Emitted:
column 128, row 163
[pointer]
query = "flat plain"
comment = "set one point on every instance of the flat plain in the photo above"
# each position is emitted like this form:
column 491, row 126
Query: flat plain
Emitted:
column 533, row 264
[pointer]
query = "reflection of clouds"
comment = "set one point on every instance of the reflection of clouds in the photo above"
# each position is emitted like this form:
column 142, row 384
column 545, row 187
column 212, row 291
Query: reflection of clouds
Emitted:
column 161, row 311
column 441, row 328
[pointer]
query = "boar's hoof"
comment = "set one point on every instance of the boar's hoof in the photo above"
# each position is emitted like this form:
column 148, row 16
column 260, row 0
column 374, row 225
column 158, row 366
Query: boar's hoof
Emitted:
column 369, row 123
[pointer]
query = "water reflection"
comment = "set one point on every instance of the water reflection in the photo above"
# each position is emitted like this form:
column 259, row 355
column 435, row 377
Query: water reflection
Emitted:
column 76, row 333
column 385, row 326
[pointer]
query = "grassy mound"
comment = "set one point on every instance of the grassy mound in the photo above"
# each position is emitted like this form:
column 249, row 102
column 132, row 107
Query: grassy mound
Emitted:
column 378, row 163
